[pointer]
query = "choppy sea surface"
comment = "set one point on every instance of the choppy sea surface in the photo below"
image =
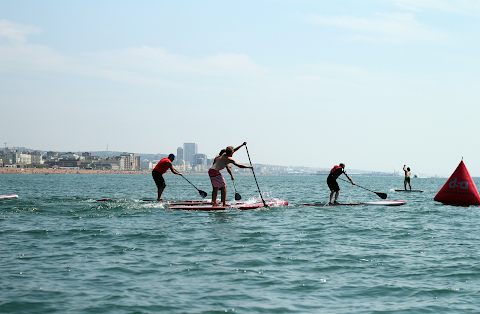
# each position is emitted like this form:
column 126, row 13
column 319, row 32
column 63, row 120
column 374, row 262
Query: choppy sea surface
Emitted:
column 64, row 252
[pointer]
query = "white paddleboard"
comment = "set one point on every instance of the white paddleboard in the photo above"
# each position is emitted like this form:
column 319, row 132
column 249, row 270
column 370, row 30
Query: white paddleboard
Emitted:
column 385, row 203
column 8, row 197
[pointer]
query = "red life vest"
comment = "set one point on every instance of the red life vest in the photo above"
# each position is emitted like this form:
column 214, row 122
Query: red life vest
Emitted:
column 336, row 171
column 335, row 168
column 163, row 165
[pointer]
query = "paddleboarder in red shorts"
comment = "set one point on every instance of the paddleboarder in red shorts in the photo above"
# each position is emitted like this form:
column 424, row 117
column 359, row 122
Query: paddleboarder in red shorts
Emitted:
column 332, row 181
column 218, row 182
column 157, row 174
column 229, row 170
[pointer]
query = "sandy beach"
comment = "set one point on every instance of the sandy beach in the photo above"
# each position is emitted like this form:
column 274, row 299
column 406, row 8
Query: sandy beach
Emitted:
column 6, row 170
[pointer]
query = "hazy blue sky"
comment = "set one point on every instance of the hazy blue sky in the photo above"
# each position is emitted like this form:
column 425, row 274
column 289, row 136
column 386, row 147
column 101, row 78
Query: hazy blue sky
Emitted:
column 374, row 84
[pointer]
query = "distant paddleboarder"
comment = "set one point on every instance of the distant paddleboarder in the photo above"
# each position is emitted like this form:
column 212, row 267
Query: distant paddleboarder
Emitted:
column 332, row 181
column 218, row 182
column 157, row 173
column 407, row 178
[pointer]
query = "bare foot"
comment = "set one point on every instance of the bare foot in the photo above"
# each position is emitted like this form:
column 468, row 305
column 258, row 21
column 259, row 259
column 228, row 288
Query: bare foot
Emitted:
column 215, row 204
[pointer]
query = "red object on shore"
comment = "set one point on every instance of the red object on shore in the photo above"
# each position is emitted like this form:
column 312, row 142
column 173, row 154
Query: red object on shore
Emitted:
column 459, row 189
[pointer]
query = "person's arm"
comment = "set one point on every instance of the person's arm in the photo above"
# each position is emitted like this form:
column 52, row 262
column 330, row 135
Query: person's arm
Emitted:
column 173, row 169
column 235, row 149
column 351, row 181
column 239, row 165
column 230, row 172
column 404, row 169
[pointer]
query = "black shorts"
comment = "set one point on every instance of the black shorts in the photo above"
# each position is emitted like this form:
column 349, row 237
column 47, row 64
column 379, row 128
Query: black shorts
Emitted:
column 158, row 178
column 332, row 184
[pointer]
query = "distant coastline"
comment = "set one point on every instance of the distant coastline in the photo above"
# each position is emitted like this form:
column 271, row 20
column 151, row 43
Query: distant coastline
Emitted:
column 13, row 170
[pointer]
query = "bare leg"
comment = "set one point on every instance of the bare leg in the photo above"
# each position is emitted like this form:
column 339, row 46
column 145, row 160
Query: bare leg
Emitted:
column 336, row 195
column 331, row 196
column 214, row 197
column 159, row 194
column 224, row 196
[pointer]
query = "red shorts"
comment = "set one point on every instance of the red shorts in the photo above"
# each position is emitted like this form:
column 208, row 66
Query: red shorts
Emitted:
column 217, row 179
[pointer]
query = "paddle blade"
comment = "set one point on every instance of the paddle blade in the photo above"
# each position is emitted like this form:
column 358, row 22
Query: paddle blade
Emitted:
column 238, row 197
column 202, row 193
column 381, row 195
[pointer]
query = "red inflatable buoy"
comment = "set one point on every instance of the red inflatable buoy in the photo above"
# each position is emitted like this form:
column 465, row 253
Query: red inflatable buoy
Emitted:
column 459, row 189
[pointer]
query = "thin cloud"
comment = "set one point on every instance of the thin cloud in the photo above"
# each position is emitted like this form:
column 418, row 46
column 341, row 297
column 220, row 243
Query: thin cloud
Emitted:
column 463, row 7
column 16, row 33
column 136, row 65
column 396, row 28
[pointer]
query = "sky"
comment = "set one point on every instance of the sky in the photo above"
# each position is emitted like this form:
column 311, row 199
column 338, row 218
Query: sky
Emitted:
column 375, row 84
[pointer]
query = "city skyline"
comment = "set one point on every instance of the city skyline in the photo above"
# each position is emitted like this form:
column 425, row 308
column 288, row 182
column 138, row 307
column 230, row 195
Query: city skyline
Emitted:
column 152, row 159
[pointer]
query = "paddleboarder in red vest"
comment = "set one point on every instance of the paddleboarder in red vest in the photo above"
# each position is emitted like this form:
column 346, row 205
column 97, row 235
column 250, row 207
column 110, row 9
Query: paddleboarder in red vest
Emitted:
column 407, row 178
column 332, row 181
column 218, row 182
column 157, row 173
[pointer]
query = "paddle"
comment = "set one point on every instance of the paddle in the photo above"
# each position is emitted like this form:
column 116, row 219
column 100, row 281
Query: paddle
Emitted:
column 202, row 193
column 237, row 196
column 265, row 204
column 381, row 195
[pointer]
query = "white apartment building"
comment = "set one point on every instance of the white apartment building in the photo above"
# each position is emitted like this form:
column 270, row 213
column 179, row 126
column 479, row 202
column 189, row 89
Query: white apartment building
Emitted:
column 147, row 165
column 20, row 158
column 37, row 158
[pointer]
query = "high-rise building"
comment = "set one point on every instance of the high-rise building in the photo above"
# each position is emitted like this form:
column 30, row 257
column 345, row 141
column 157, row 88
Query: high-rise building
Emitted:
column 189, row 151
column 201, row 159
column 180, row 153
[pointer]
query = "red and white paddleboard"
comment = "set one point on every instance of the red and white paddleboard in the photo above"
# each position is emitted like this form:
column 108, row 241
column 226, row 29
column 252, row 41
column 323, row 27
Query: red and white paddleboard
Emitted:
column 241, row 206
column 8, row 197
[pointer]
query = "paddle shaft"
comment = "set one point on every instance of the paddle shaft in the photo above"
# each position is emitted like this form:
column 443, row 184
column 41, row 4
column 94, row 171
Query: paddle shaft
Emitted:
column 259, row 192
column 202, row 193
column 381, row 195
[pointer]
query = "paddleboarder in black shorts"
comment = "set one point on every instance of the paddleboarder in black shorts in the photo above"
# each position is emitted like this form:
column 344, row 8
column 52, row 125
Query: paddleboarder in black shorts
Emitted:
column 332, row 181
column 407, row 178
column 157, row 173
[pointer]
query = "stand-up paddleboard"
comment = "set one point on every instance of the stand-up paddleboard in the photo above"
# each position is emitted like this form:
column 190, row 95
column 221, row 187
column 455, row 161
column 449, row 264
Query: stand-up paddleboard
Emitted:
column 378, row 203
column 185, row 202
column 385, row 203
column 399, row 190
column 195, row 204
column 237, row 206
column 170, row 202
column 124, row 199
column 8, row 197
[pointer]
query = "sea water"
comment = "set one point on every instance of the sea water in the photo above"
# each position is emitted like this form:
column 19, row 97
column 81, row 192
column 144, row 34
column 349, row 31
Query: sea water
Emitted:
column 64, row 252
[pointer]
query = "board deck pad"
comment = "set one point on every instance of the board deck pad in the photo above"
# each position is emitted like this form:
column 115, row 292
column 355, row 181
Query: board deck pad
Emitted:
column 399, row 190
